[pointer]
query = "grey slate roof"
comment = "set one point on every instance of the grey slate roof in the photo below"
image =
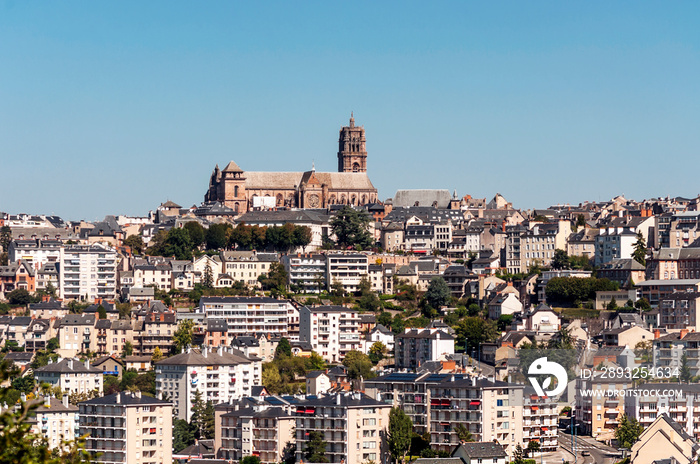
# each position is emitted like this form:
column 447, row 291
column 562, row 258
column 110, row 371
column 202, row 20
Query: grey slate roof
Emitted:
column 126, row 399
column 68, row 366
column 481, row 450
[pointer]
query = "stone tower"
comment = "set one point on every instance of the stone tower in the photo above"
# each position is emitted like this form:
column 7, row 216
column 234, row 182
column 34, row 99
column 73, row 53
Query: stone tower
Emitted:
column 232, row 190
column 352, row 153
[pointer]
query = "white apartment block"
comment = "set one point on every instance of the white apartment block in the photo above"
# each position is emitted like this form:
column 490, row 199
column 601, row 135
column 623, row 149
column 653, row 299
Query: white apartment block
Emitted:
column 683, row 408
column 220, row 375
column 332, row 331
column 88, row 272
column 71, row 376
column 127, row 428
column 251, row 315
column 540, row 420
column 56, row 421
column 614, row 243
column 306, row 271
column 36, row 253
column 348, row 269
column 159, row 274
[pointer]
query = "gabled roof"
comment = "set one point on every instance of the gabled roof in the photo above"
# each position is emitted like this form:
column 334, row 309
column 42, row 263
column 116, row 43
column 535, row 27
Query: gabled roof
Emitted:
column 481, row 450
column 232, row 167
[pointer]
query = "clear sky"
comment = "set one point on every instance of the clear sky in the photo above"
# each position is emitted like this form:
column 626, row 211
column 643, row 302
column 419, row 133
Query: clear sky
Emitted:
column 114, row 107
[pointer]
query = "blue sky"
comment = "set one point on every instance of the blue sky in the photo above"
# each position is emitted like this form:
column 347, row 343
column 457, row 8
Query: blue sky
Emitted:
column 115, row 107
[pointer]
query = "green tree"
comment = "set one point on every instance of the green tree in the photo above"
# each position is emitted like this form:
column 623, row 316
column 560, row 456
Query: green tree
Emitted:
column 358, row 365
column 183, row 435
column 642, row 304
column 284, row 348
column 275, row 280
column 628, row 432
column 209, row 423
column 135, row 242
column 271, row 378
column 504, row 322
column 178, row 244
column 157, row 243
column 315, row 450
column 463, row 433
column 128, row 349
column 157, row 355
column 198, row 419
column 399, row 434
column 315, row 362
column 102, row 312
column 476, row 331
column 208, row 278
column 50, row 290
column 216, row 236
column 384, row 319
column 612, row 306
column 560, row 260
column 19, row 296
column 183, row 335
column 644, row 350
column 5, row 238
column 640, row 250
column 250, row 460
column 241, row 236
column 518, row 455
column 533, row 446
column 302, row 237
column 377, row 352
column 438, row 293
column 196, row 233
column 351, row 228
column 685, row 374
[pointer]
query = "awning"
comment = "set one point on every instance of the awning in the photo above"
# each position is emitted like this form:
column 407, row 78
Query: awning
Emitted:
column 534, row 408
column 545, row 429
column 474, row 403
column 309, row 411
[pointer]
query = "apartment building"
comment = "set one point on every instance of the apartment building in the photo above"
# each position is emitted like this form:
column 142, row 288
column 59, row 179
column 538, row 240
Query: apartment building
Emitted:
column 538, row 244
column 88, row 272
column 77, row 334
column 38, row 334
column 220, row 375
column 159, row 274
column 36, row 253
column 251, row 315
column 614, row 243
column 540, row 420
column 247, row 266
column 683, row 408
column 254, row 427
column 14, row 329
column 348, row 269
column 127, row 428
column 306, row 271
column 17, row 275
column 415, row 347
column 668, row 351
column 47, row 308
column 352, row 425
column 598, row 413
column 70, row 375
column 490, row 410
column 680, row 310
column 582, row 243
column 514, row 248
column 332, row 331
column 155, row 330
column 674, row 263
column 656, row 290
column 56, row 421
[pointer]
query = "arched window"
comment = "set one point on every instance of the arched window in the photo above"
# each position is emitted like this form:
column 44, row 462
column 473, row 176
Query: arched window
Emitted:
column 355, row 167
column 235, row 208
column 364, row 199
column 235, row 191
column 343, row 200
column 354, row 199
column 280, row 199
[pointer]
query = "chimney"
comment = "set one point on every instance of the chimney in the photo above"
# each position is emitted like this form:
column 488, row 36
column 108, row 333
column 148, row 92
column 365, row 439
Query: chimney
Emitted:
column 98, row 301
column 119, row 398
column 657, row 334
column 684, row 332
column 47, row 401
column 204, row 351
column 23, row 397
column 337, row 399
column 65, row 400
column 137, row 393
column 45, row 298
column 70, row 364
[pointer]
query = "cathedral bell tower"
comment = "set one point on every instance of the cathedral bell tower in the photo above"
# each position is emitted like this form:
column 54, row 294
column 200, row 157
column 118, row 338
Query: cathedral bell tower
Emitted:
column 352, row 153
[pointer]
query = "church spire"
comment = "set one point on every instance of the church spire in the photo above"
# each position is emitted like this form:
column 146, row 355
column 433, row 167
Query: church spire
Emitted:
column 352, row 120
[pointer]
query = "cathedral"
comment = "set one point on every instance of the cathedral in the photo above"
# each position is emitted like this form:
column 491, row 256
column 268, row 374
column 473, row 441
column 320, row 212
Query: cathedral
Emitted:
column 244, row 191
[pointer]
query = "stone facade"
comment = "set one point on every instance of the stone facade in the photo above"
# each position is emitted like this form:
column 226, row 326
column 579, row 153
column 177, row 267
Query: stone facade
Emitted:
column 245, row 191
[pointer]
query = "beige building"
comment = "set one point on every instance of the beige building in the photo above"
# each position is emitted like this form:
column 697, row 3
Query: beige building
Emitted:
column 77, row 334
column 540, row 420
column 246, row 266
column 127, row 428
column 332, row 331
column 253, row 428
column 664, row 441
column 538, row 244
column 71, row 376
column 56, row 420
column 491, row 411
column 599, row 412
column 352, row 425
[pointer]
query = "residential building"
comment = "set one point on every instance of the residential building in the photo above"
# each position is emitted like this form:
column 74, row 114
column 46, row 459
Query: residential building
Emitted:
column 582, row 243
column 504, row 304
column 88, row 272
column 417, row 346
column 56, row 421
column 127, row 428
column 680, row 310
column 626, row 272
column 478, row 453
column 614, row 243
column 491, row 411
column 380, row 334
column 38, row 334
column 682, row 407
column 70, row 375
column 48, row 308
column 663, row 442
column 307, row 272
column 348, row 269
column 36, row 253
column 598, row 413
column 538, row 244
column 149, row 274
column 656, row 290
column 250, row 315
column 332, row 331
column 219, row 375
column 77, row 334
column 17, row 275
column 540, row 420
column 668, row 351
column 353, row 426
column 247, row 266
column 156, row 330
column 317, row 383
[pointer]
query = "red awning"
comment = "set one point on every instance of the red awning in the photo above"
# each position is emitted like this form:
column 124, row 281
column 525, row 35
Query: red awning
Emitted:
column 545, row 429
column 309, row 411
column 474, row 403
column 534, row 408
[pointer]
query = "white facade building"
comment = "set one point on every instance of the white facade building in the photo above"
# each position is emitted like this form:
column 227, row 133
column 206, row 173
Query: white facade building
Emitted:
column 332, row 331
column 88, row 272
column 251, row 315
column 71, row 375
column 348, row 269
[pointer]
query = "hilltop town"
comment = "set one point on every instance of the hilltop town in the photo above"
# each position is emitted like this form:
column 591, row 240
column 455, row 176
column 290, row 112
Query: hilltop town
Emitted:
column 296, row 316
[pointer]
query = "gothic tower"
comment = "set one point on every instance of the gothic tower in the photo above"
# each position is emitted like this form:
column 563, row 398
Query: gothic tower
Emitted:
column 232, row 191
column 352, row 154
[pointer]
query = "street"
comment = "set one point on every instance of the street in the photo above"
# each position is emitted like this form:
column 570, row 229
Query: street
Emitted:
column 600, row 453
